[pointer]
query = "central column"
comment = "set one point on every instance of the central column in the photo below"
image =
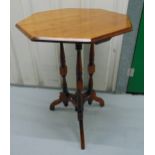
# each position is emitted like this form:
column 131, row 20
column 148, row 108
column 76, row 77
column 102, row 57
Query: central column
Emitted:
column 79, row 80
column 79, row 96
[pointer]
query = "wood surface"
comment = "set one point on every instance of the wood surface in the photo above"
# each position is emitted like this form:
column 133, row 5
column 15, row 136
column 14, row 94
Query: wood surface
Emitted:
column 74, row 25
column 79, row 97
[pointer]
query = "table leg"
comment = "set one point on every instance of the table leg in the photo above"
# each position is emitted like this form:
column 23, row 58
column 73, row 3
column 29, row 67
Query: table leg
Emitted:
column 64, row 95
column 91, row 70
column 79, row 96
column 63, row 72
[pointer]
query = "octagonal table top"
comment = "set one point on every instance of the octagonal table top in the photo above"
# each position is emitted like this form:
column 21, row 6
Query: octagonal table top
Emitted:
column 74, row 25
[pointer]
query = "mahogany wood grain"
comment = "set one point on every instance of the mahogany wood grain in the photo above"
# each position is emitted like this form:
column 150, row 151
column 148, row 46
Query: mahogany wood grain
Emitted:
column 79, row 98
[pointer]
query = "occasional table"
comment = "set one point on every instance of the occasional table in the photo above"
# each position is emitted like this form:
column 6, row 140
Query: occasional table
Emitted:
column 79, row 26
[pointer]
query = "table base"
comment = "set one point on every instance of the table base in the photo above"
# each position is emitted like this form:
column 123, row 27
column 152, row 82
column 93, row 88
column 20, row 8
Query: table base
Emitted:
column 78, row 99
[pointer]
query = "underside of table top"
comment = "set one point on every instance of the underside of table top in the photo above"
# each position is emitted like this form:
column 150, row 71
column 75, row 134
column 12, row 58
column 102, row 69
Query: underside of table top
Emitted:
column 74, row 25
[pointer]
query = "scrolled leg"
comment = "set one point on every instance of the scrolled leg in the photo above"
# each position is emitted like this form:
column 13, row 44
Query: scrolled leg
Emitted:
column 91, row 70
column 64, row 96
column 97, row 99
column 54, row 103
column 63, row 72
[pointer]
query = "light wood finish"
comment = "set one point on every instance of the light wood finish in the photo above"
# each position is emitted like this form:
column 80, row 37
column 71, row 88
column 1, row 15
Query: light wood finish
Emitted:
column 74, row 25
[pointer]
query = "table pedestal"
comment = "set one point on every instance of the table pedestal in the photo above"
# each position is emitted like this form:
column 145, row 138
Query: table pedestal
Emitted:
column 78, row 99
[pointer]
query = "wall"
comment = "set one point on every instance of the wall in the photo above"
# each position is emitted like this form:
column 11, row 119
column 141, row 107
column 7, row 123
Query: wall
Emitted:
column 129, row 41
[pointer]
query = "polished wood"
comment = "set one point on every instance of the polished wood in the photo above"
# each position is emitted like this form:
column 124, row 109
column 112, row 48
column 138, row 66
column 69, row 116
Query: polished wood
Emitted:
column 79, row 98
column 63, row 72
column 79, row 68
column 82, row 134
column 91, row 70
column 64, row 97
column 74, row 25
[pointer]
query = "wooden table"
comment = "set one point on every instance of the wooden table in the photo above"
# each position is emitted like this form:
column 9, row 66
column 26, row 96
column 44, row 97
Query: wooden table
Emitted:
column 77, row 26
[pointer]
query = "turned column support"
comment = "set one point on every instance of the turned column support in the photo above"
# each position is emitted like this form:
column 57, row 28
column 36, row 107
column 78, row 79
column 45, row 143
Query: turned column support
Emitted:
column 78, row 99
column 79, row 96
column 64, row 95
column 91, row 71
column 63, row 69
column 91, row 68
column 79, row 80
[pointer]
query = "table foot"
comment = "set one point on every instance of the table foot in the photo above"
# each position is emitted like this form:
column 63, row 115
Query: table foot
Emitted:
column 54, row 103
column 94, row 97
column 90, row 101
column 64, row 98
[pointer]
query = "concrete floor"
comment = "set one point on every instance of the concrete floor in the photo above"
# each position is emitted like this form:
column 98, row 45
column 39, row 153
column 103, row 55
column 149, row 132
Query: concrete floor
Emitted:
column 116, row 129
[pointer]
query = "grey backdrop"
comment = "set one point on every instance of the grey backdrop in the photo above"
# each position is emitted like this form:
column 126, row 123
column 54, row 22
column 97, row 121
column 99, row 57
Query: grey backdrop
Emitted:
column 134, row 11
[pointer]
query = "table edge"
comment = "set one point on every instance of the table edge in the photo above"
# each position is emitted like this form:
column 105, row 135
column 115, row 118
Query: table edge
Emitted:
column 98, row 39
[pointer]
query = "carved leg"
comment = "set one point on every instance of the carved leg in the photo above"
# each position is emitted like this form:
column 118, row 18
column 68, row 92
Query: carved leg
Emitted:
column 63, row 72
column 97, row 99
column 91, row 70
column 56, row 102
column 79, row 96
